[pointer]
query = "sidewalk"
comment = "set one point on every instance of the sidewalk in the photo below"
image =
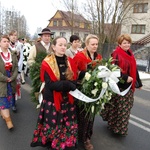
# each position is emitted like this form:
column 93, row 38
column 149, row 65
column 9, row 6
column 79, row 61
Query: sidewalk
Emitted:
column 145, row 77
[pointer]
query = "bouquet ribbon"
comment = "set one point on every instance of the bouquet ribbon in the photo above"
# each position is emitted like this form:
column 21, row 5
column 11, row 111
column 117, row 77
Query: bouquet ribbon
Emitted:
column 108, row 76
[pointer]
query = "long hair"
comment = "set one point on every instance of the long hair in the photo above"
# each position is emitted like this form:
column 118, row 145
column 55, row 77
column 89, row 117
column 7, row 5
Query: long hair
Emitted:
column 68, row 73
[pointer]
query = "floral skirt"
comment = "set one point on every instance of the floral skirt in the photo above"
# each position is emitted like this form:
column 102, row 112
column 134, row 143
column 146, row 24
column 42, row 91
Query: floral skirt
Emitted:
column 6, row 102
column 57, row 130
column 117, row 113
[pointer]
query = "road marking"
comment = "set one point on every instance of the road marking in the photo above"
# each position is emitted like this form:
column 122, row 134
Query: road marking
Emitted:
column 142, row 101
column 141, row 120
column 139, row 125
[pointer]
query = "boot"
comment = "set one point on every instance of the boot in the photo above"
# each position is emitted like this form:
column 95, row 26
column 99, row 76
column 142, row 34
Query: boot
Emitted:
column 88, row 145
column 8, row 122
column 1, row 115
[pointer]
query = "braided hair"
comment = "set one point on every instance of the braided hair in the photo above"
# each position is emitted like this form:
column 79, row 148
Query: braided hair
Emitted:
column 68, row 73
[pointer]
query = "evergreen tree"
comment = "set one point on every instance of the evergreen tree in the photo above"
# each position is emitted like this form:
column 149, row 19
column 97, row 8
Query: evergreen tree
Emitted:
column 35, row 76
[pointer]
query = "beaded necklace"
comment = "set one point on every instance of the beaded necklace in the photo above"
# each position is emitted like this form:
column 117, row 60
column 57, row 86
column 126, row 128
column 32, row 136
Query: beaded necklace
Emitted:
column 6, row 58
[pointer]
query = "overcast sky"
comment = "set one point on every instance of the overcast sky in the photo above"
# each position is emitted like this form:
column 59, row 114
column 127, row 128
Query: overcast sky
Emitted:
column 37, row 12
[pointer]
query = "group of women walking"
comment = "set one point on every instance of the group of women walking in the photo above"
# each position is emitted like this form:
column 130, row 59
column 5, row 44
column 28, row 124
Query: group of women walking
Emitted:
column 62, row 124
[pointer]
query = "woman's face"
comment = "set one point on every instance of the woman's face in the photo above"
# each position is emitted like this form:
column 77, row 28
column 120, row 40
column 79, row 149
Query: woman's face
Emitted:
column 92, row 45
column 4, row 43
column 75, row 44
column 60, row 47
column 125, row 45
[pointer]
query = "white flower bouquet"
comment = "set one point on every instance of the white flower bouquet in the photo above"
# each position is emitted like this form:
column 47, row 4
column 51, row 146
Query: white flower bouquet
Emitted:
column 96, row 85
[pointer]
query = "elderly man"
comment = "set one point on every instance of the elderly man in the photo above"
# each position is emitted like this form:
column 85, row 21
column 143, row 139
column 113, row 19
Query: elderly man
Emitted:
column 41, row 46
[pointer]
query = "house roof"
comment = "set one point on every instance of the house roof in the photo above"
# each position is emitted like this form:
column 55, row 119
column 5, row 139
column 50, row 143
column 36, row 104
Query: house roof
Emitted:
column 144, row 40
column 68, row 16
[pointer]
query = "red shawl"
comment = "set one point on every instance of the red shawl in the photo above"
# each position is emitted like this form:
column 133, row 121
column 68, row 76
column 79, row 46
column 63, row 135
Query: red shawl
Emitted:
column 126, row 62
column 49, row 65
column 82, row 59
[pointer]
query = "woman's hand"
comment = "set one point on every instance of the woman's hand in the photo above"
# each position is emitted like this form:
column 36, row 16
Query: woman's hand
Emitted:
column 130, row 79
column 140, row 88
column 8, row 80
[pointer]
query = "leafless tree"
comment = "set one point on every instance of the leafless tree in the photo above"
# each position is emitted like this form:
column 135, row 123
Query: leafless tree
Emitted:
column 107, row 17
column 35, row 36
column 72, row 6
column 10, row 19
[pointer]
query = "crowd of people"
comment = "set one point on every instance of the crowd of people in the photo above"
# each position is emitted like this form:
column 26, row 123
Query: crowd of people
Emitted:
column 61, row 123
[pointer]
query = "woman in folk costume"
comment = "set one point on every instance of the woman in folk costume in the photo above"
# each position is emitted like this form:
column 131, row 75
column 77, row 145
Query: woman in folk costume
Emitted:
column 17, row 47
column 26, row 51
column 57, row 124
column 82, row 59
column 8, row 75
column 118, row 112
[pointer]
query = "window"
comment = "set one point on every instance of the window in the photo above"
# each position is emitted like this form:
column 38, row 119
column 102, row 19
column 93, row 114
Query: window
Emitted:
column 140, row 8
column 138, row 29
column 76, row 34
column 54, row 23
column 53, row 36
column 60, row 23
column 85, row 35
column 86, row 25
column 63, row 34
column 76, row 24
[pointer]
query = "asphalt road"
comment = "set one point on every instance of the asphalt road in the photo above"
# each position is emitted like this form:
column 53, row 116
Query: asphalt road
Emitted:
column 24, row 120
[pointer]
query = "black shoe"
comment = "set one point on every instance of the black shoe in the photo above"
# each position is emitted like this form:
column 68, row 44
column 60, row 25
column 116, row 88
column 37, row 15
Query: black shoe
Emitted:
column 14, row 109
column 26, row 74
column 23, row 82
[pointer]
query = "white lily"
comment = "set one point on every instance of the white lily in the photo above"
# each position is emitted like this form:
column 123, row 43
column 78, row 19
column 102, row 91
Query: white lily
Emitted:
column 87, row 76
column 103, row 105
column 95, row 84
column 104, row 85
column 94, row 92
column 92, row 109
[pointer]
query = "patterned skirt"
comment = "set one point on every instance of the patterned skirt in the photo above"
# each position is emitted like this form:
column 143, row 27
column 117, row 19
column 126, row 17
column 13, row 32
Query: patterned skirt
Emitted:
column 6, row 102
column 57, row 130
column 117, row 113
